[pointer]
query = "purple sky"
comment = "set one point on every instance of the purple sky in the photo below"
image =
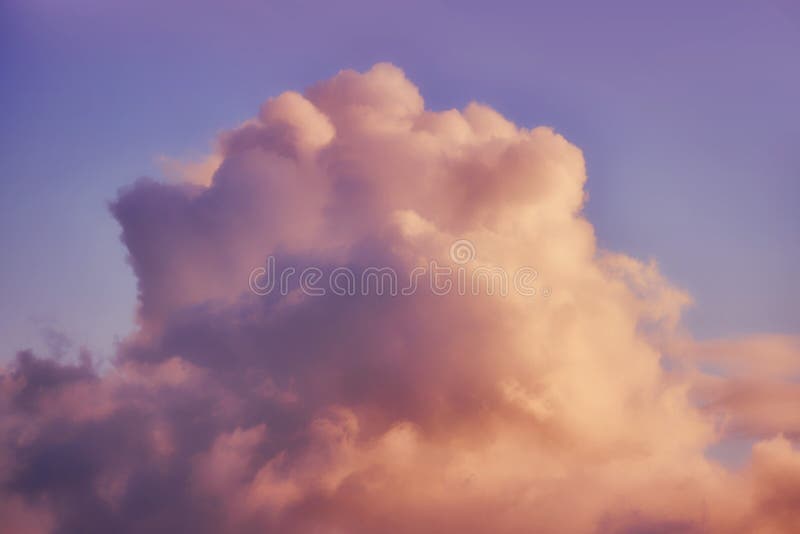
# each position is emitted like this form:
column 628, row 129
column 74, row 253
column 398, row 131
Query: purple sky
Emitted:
column 687, row 114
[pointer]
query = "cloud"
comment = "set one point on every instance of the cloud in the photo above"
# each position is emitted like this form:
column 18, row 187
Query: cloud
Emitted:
column 749, row 385
column 230, row 412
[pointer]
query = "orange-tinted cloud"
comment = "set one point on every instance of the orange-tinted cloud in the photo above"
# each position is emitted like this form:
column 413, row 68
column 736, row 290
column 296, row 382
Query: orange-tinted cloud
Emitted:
column 231, row 412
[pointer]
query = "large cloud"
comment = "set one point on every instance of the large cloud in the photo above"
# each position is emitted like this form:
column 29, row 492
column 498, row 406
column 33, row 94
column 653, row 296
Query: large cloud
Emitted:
column 583, row 408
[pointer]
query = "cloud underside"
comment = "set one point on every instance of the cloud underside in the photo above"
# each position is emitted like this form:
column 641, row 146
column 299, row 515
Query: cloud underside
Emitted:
column 589, row 410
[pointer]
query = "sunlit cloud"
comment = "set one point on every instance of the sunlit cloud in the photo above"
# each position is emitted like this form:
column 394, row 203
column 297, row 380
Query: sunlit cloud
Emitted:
column 585, row 409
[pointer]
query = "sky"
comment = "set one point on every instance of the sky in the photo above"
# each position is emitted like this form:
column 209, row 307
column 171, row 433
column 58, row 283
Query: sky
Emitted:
column 641, row 157
column 687, row 115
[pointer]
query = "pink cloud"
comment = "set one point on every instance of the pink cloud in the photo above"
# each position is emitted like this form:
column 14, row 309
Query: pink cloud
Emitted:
column 230, row 412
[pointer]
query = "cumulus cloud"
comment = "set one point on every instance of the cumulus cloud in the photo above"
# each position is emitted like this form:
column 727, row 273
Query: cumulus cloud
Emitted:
column 586, row 410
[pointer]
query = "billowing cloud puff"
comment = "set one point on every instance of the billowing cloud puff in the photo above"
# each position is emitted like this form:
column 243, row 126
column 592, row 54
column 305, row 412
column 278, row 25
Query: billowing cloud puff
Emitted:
column 581, row 408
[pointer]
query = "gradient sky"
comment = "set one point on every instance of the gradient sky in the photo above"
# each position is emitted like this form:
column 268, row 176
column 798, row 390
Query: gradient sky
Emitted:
column 687, row 113
column 599, row 405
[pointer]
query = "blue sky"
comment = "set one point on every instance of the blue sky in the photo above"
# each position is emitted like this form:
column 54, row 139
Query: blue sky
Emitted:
column 687, row 114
